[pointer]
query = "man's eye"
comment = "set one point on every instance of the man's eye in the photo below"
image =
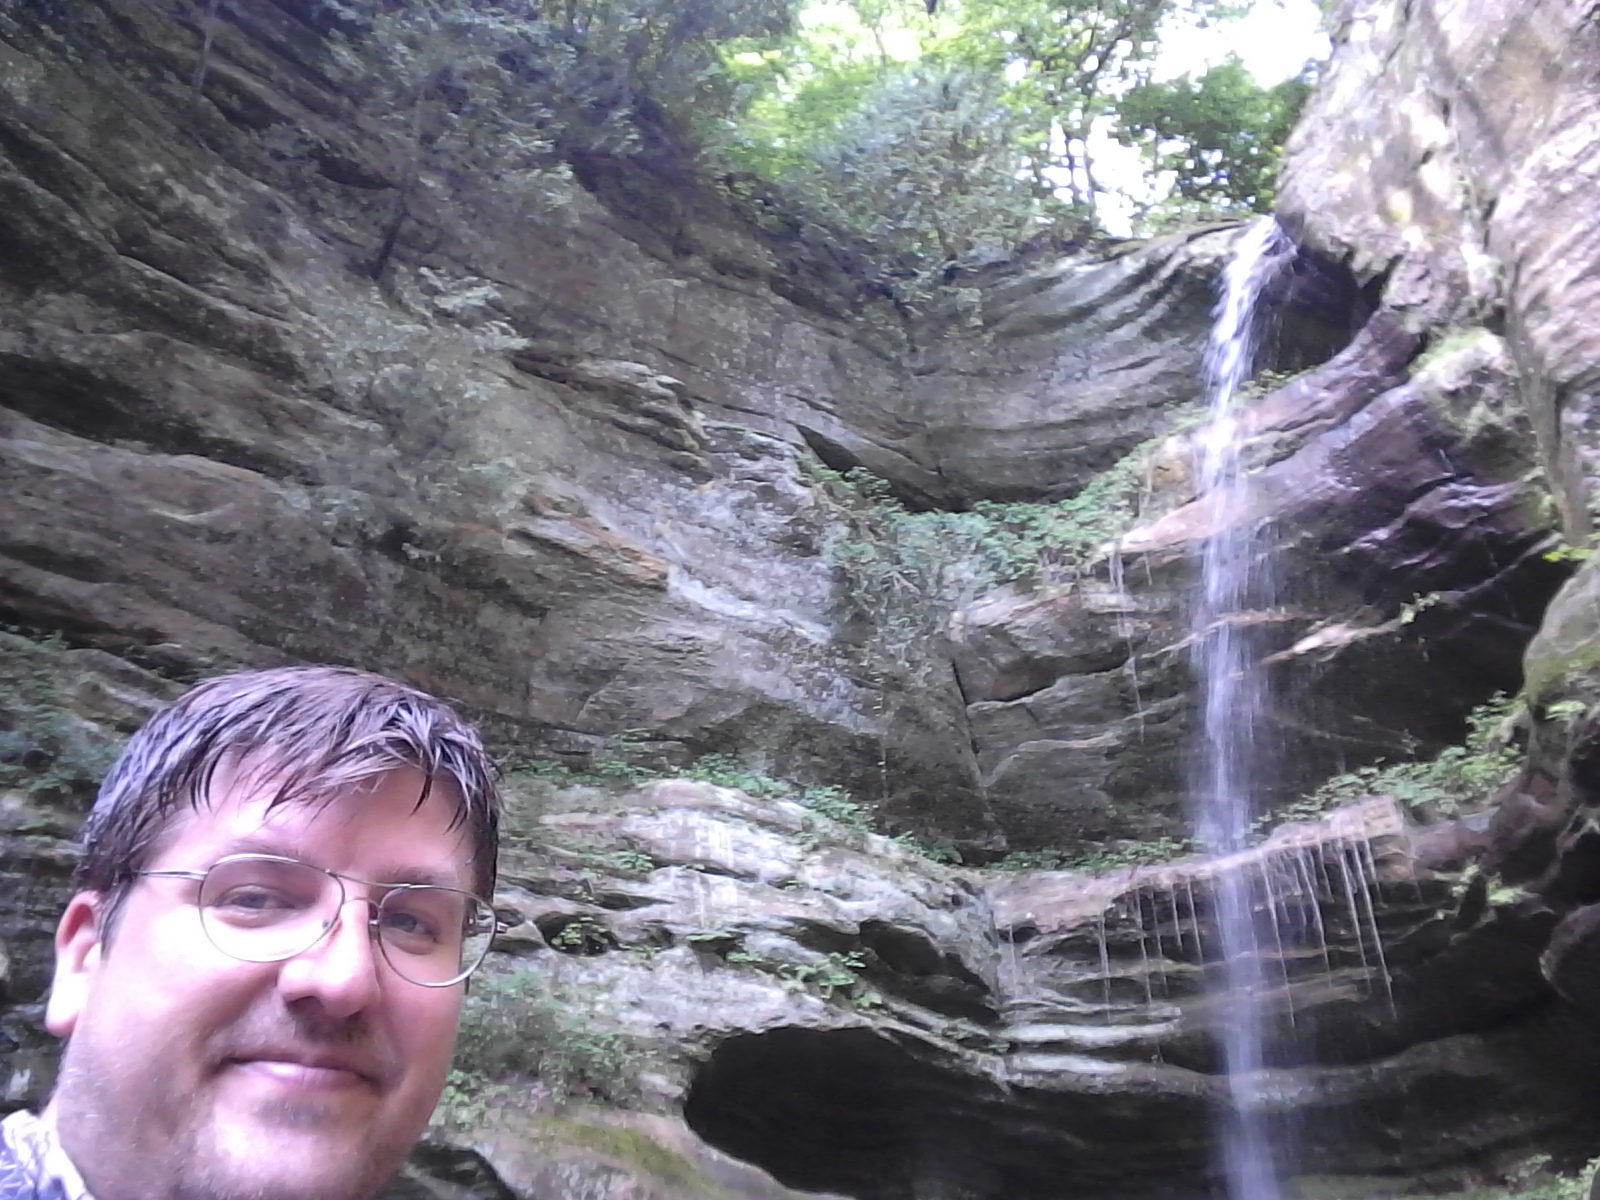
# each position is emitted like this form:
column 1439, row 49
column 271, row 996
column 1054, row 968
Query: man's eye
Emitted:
column 410, row 929
column 257, row 902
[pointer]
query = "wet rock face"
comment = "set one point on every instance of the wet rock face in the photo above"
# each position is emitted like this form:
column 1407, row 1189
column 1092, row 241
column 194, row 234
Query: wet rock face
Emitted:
column 1544, row 838
column 551, row 464
column 1449, row 158
column 547, row 465
column 1041, row 380
column 1401, row 1018
column 1030, row 383
column 741, row 976
column 1449, row 152
column 1396, row 504
column 1020, row 1036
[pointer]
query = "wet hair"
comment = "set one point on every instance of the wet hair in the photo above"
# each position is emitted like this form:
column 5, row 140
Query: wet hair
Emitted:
column 308, row 733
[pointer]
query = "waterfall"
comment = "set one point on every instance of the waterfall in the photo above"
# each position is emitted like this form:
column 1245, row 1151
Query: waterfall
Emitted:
column 1235, row 752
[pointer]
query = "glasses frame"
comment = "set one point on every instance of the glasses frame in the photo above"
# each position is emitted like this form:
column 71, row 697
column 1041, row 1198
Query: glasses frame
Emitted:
column 374, row 929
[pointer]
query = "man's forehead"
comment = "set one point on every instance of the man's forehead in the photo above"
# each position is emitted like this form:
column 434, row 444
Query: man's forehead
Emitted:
column 407, row 824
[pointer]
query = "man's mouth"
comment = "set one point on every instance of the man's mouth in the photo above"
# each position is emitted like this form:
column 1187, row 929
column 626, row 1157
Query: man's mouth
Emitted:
column 306, row 1071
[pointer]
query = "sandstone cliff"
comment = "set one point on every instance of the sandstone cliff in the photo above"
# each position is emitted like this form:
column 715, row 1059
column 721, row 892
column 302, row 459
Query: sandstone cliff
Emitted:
column 551, row 448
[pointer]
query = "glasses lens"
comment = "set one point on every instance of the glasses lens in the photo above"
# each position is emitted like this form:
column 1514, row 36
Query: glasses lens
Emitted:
column 433, row 935
column 266, row 909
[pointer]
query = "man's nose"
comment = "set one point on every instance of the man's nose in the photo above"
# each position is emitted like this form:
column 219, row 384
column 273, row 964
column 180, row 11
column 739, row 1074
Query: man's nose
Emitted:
column 340, row 972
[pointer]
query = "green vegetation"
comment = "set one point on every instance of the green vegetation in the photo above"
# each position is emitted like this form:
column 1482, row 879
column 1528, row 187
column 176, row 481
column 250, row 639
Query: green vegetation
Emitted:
column 922, row 166
column 624, row 862
column 1122, row 855
column 1116, row 856
column 1457, row 779
column 930, row 136
column 583, row 935
column 1032, row 860
column 1220, row 136
column 836, row 975
column 518, row 1027
column 45, row 749
column 502, row 87
column 939, row 852
column 1565, row 552
column 466, row 91
column 953, row 556
column 906, row 571
column 616, row 760
column 1531, row 1179
column 969, row 128
column 611, row 768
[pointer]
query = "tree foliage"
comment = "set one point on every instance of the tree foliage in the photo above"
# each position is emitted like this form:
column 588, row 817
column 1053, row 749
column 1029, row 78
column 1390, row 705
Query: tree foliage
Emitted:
column 1220, row 136
column 989, row 108
column 926, row 163
column 1067, row 60
column 933, row 134
column 506, row 89
column 587, row 62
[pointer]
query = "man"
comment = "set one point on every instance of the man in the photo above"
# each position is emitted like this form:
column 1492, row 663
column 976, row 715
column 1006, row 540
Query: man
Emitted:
column 285, row 883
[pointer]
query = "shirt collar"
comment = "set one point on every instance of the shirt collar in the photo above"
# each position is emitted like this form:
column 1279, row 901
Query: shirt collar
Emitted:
column 34, row 1140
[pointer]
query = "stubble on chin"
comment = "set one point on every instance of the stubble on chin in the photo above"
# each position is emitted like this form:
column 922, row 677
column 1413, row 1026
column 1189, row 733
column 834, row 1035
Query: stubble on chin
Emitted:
column 158, row 1135
column 284, row 1150
column 290, row 1147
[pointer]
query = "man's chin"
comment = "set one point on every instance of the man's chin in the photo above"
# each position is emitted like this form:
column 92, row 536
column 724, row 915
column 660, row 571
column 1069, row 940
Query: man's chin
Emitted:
column 267, row 1142
column 292, row 1150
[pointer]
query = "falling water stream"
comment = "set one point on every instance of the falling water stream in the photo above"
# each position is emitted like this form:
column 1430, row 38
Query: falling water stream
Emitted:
column 1235, row 753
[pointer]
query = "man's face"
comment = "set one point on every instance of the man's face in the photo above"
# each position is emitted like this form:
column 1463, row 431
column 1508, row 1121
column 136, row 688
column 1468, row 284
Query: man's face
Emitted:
column 190, row 1074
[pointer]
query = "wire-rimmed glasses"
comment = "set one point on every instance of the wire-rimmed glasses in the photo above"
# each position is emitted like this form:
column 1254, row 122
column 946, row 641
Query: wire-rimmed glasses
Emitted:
column 262, row 908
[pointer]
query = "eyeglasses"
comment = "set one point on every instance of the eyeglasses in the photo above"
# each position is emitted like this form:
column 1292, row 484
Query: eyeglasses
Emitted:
column 261, row 908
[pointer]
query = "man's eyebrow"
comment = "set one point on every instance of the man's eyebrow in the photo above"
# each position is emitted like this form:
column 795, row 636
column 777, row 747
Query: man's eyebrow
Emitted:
column 446, row 879
column 258, row 843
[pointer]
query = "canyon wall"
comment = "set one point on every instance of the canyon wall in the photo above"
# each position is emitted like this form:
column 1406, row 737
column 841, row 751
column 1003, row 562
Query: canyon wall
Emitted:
column 558, row 448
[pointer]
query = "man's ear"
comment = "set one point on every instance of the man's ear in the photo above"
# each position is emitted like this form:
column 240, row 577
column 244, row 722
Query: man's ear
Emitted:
column 78, row 952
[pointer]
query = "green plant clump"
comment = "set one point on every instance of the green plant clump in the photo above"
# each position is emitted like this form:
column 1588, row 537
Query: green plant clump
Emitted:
column 836, row 975
column 517, row 1025
column 1531, row 1179
column 939, row 852
column 945, row 132
column 1133, row 854
column 904, row 572
column 954, row 556
column 725, row 770
column 1115, row 857
column 1455, row 780
column 834, row 803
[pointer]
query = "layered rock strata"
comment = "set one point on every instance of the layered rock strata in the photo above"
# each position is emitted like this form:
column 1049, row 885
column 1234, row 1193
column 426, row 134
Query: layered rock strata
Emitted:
column 551, row 462
column 686, row 966
column 1449, row 157
column 854, row 1018
column 1397, row 501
